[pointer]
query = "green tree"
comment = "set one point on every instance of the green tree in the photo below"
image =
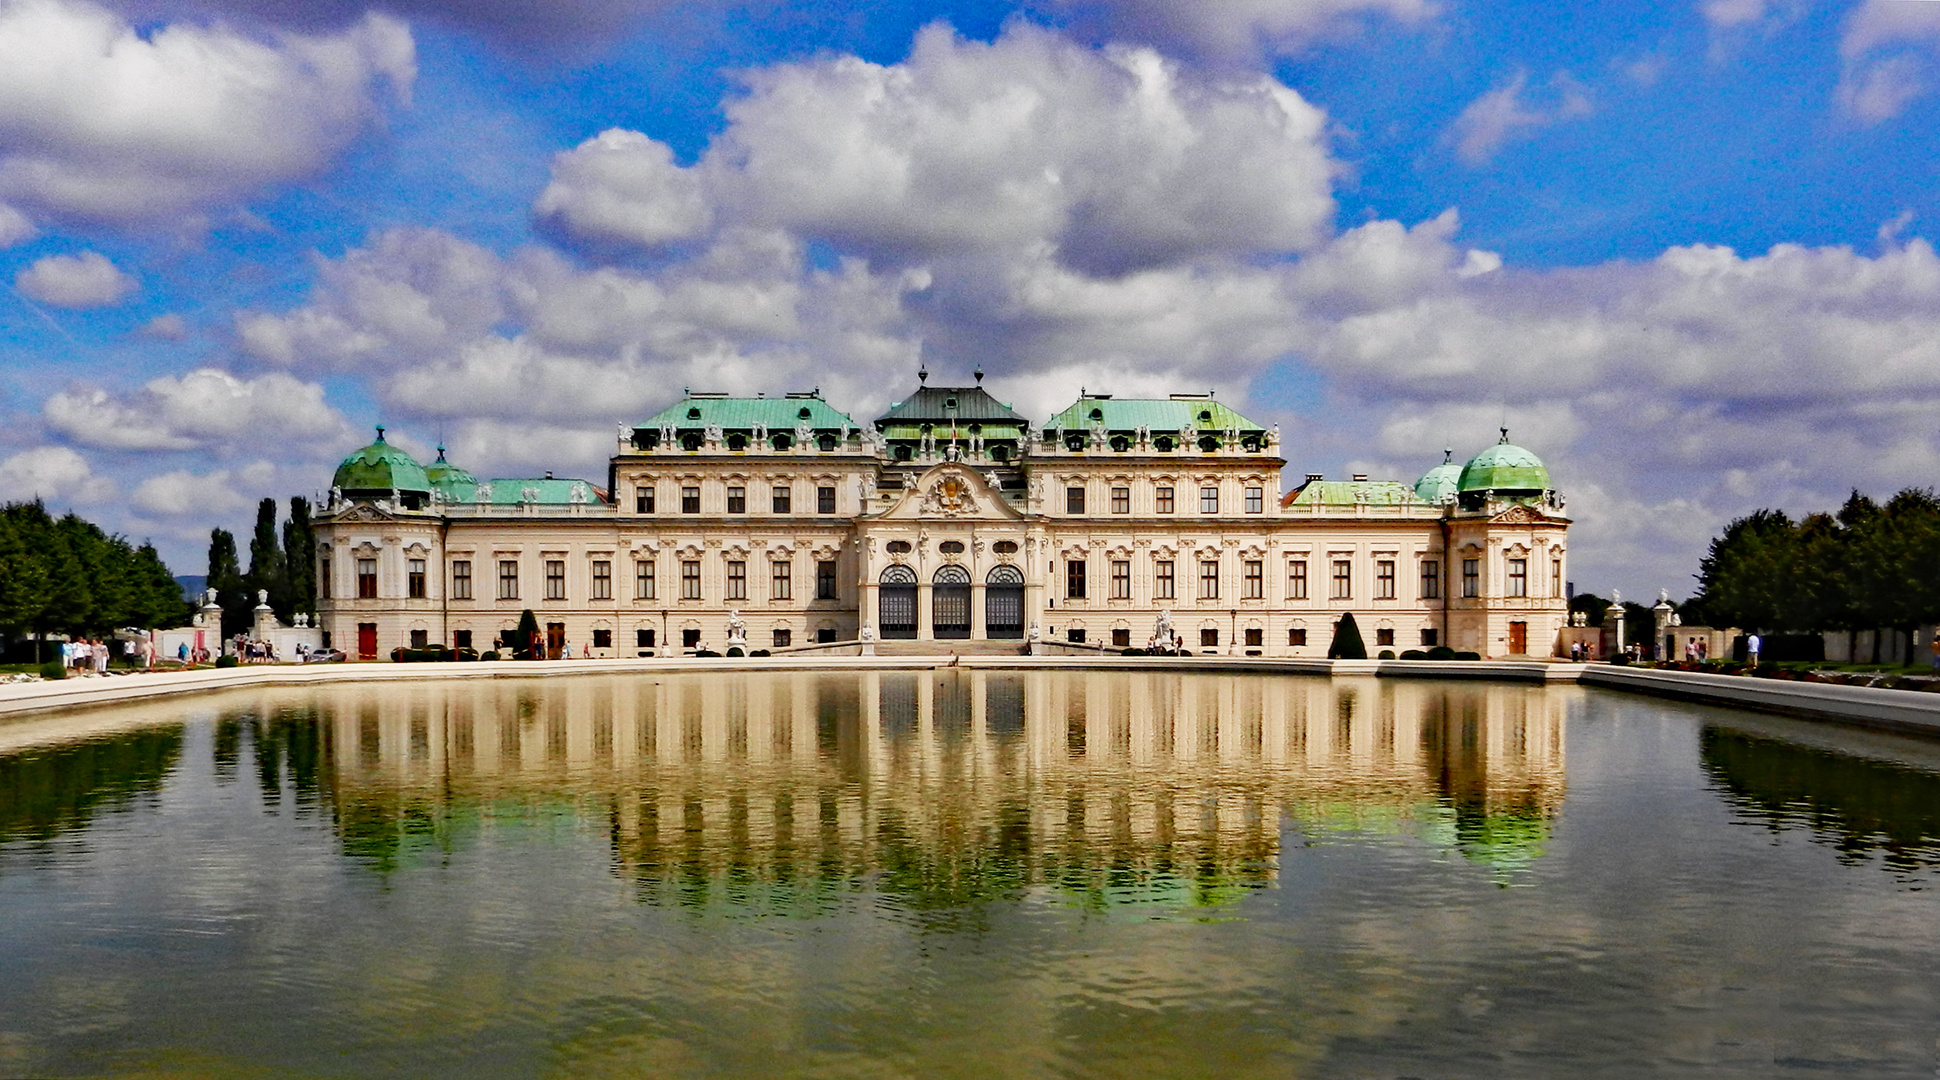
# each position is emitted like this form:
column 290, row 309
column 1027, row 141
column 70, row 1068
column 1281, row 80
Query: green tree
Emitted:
column 266, row 571
column 225, row 577
column 300, row 559
column 1746, row 576
column 1347, row 640
column 159, row 604
column 526, row 637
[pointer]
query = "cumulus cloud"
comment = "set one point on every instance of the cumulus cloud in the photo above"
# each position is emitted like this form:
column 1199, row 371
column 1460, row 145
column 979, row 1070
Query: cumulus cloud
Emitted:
column 55, row 474
column 1118, row 160
column 99, row 122
column 1886, row 54
column 14, row 227
column 205, row 408
column 1507, row 113
column 168, row 327
column 87, row 280
column 182, row 493
column 1235, row 31
column 542, row 30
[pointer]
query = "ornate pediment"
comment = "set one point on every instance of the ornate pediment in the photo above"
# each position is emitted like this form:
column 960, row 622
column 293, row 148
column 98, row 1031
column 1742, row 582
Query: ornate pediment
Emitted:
column 364, row 512
column 1523, row 515
column 950, row 492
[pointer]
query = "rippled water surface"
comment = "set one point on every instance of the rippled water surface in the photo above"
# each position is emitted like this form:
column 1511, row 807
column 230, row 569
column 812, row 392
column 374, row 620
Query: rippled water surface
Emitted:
column 964, row 874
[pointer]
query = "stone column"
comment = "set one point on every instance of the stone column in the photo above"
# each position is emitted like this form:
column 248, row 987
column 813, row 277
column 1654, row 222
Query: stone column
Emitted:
column 1662, row 614
column 978, row 629
column 924, row 630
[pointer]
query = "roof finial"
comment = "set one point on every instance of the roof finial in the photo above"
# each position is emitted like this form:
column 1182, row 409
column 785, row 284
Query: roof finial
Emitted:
column 380, row 433
column 978, row 374
column 1505, row 434
column 923, row 374
column 1448, row 455
column 441, row 449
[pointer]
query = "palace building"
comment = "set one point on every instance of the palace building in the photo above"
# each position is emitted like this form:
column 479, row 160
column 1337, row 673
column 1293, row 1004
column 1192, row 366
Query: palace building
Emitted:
column 948, row 518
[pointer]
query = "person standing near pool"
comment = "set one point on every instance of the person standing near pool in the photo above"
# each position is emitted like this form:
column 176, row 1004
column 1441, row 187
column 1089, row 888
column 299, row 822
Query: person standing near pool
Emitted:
column 1751, row 650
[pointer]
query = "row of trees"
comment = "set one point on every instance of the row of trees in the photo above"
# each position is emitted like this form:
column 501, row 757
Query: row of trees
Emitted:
column 1868, row 566
column 67, row 576
column 281, row 563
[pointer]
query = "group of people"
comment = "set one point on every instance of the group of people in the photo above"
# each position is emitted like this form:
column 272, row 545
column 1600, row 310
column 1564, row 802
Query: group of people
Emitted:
column 254, row 652
column 84, row 655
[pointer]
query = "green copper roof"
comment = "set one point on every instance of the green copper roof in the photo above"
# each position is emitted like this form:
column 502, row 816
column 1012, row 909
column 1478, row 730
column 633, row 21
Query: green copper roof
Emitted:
column 381, row 467
column 518, row 491
column 1504, row 467
column 1439, row 484
column 444, row 475
column 1351, row 493
column 1157, row 414
column 935, row 405
column 779, row 415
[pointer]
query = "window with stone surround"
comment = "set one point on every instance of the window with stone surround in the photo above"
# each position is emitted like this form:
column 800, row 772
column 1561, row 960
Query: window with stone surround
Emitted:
column 1255, row 580
column 602, row 579
column 737, row 580
column 1121, row 579
column 461, row 579
column 1165, row 499
column 366, row 579
column 414, row 579
column 690, row 580
column 1165, row 584
column 1297, row 579
column 782, row 581
column 555, row 579
column 508, row 579
column 643, row 579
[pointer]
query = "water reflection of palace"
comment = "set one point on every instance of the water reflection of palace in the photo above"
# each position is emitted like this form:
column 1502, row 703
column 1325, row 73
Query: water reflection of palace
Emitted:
column 951, row 785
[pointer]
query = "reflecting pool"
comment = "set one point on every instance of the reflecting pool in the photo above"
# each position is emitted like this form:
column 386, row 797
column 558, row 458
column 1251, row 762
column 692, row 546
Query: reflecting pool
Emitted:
column 964, row 873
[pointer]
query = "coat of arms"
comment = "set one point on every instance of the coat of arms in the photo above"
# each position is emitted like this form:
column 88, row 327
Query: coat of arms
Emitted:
column 950, row 497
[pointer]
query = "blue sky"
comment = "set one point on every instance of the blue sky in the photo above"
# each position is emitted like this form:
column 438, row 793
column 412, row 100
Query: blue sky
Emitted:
column 1678, row 249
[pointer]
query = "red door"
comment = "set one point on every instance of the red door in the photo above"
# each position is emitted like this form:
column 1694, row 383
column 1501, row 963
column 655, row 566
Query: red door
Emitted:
column 367, row 641
column 1518, row 638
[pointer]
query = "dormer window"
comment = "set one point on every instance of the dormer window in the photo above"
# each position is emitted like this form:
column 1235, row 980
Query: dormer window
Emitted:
column 803, row 414
column 1097, row 414
column 694, row 414
column 1205, row 415
column 949, row 403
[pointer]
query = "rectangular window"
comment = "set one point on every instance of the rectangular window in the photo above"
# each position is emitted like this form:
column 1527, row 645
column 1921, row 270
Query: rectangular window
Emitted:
column 1209, row 638
column 1121, row 500
column 420, row 639
column 782, row 581
column 825, row 500
column 1255, row 579
column 508, row 579
column 1384, row 580
column 824, row 634
column 1074, row 579
column 737, row 500
column 643, row 579
column 555, row 579
column 1255, row 501
column 690, row 500
column 1431, row 579
column 784, row 638
column 1074, row 500
column 690, row 639
column 690, row 581
column 1165, row 500
column 643, row 638
column 1165, row 586
column 1297, row 636
column 825, row 579
column 461, row 579
column 1209, row 500
column 461, row 639
column 1297, row 579
column 602, row 579
column 1556, row 577
column 1429, row 638
column 1343, row 580
column 1121, row 637
column 737, row 580
column 1384, row 636
column 1076, row 637
column 1121, row 580
column 602, row 639
column 1209, row 579
column 643, row 500
column 366, row 579
column 1518, row 577
column 784, row 499
column 323, row 577
column 1471, row 578
column 414, row 579
column 1255, row 637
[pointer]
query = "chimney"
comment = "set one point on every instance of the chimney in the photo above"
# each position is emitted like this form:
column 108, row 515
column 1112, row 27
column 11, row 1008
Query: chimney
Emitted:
column 1360, row 478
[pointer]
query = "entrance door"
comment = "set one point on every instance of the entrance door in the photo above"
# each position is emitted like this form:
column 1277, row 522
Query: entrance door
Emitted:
column 896, row 610
column 1003, row 603
column 366, row 641
column 555, row 638
column 1518, row 638
column 950, row 603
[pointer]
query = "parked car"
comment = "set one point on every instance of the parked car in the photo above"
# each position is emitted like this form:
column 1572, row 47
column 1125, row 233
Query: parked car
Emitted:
column 326, row 656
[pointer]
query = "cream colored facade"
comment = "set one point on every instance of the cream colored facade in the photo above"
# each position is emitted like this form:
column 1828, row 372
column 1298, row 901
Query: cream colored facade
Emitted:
column 835, row 533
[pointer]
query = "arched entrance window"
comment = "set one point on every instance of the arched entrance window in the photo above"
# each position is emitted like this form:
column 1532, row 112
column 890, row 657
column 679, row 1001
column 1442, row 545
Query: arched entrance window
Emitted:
column 1003, row 603
column 896, row 609
column 950, row 603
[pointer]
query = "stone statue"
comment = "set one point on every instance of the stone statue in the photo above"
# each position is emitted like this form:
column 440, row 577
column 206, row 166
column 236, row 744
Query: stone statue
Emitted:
column 1035, row 633
column 868, row 632
column 210, row 598
column 482, row 495
column 1098, row 436
column 845, row 433
column 262, row 597
column 578, row 495
column 1663, row 596
column 336, row 496
column 1616, row 598
column 804, row 432
column 737, row 630
column 713, row 433
column 667, row 436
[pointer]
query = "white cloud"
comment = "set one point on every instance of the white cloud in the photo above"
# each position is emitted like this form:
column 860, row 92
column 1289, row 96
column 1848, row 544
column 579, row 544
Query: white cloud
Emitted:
column 86, row 280
column 55, row 474
column 203, row 409
column 167, row 327
column 100, row 122
column 1886, row 54
column 15, row 228
column 182, row 493
column 1504, row 113
column 1118, row 160
column 1236, row 31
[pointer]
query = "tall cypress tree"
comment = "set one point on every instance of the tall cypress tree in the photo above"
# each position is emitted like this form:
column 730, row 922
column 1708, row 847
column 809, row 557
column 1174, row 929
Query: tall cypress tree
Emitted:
column 300, row 558
column 23, row 571
column 225, row 577
column 266, row 561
